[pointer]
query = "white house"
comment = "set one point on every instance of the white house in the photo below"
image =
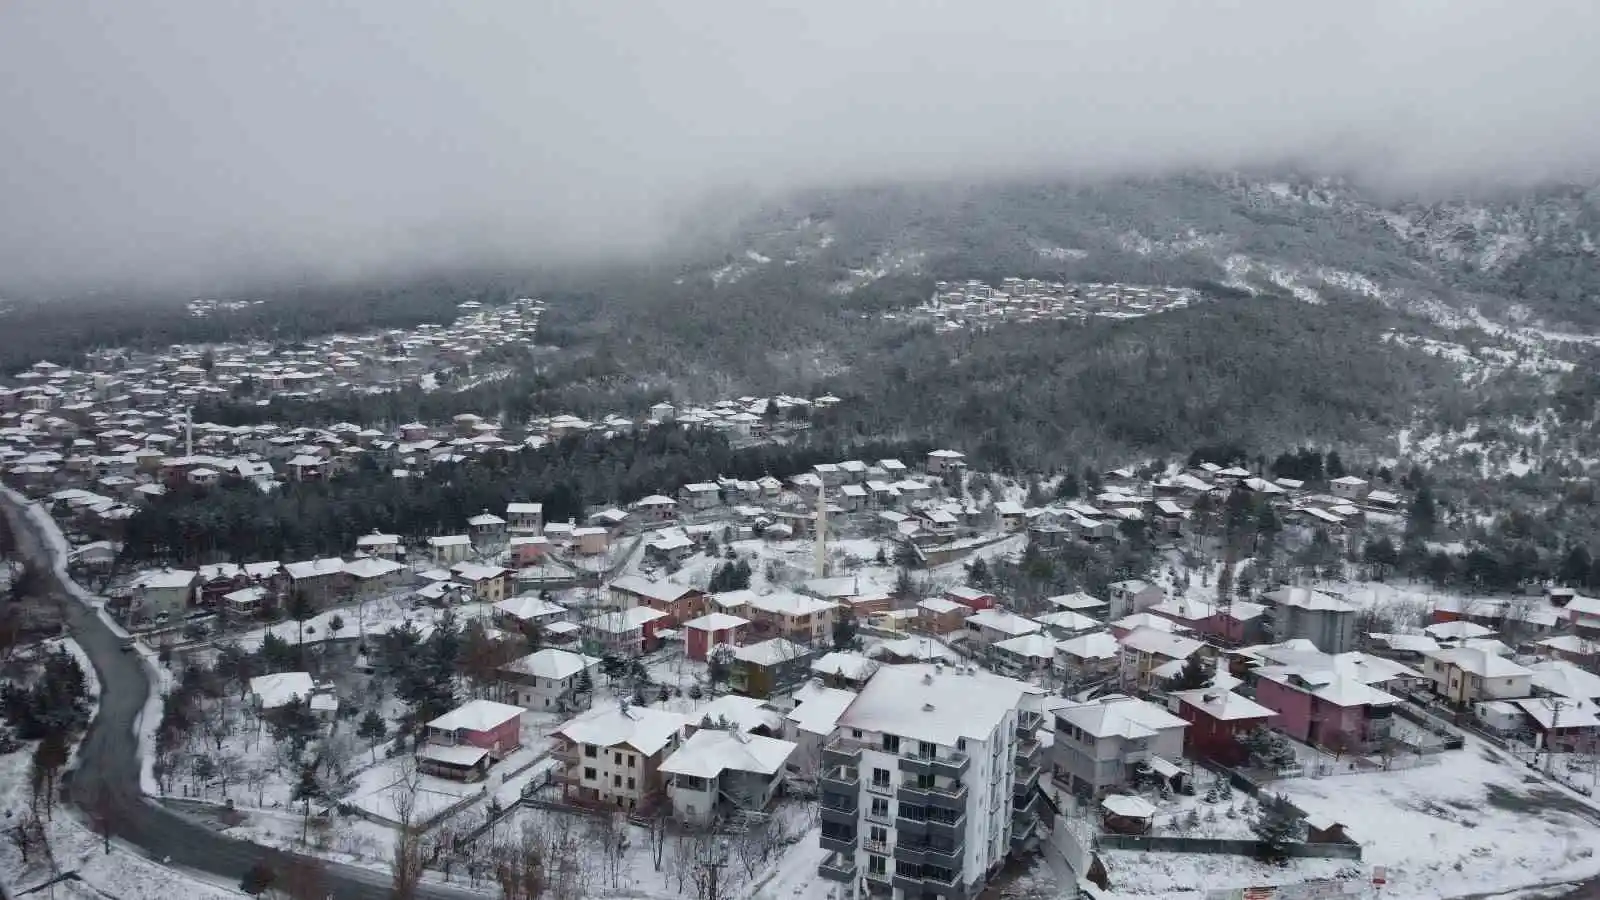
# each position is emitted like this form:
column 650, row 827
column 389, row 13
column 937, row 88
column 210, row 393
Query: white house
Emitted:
column 542, row 680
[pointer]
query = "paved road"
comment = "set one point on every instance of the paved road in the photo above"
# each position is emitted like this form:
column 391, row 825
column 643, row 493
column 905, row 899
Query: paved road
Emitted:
column 109, row 760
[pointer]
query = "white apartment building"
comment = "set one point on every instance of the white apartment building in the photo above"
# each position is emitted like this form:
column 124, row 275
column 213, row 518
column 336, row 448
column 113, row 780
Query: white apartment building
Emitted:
column 929, row 780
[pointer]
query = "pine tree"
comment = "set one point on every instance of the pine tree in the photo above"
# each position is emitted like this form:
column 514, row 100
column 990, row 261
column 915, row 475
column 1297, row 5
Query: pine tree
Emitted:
column 372, row 730
column 1193, row 676
column 1277, row 827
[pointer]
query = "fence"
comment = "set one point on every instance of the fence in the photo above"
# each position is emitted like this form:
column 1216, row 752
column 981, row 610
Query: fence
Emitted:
column 1215, row 846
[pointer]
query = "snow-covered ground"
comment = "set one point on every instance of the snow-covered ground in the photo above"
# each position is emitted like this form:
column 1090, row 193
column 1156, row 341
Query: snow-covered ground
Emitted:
column 1474, row 823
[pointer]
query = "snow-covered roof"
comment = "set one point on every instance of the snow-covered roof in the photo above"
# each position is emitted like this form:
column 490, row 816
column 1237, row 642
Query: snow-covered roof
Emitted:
column 1330, row 686
column 552, row 663
column 1224, row 705
column 485, row 520
column 476, row 715
column 1147, row 620
column 1560, row 712
column 769, row 652
column 939, row 605
column 819, row 708
column 845, row 664
column 1305, row 598
column 662, row 591
column 376, row 539
column 164, row 579
column 452, row 755
column 470, row 571
column 789, row 603
column 371, row 567
column 922, row 703
column 1479, row 662
column 709, row 752
column 1406, row 643
column 624, row 621
column 1097, row 645
column 1032, row 646
column 1118, row 715
column 1564, row 679
column 1128, row 806
column 450, row 540
column 744, row 713
column 922, row 649
column 1161, row 643
column 1457, row 629
column 528, row 607
column 716, row 622
column 274, row 691
column 1077, row 601
column 1003, row 621
column 640, row 727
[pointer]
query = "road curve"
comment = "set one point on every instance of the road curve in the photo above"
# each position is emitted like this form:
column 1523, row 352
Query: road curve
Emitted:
column 108, row 758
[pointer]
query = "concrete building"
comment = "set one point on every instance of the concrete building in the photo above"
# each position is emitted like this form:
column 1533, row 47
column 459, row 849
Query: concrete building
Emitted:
column 1099, row 744
column 1323, row 619
column 930, row 780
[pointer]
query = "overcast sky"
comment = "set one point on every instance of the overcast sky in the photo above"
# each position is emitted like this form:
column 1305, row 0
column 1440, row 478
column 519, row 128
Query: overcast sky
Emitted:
column 178, row 140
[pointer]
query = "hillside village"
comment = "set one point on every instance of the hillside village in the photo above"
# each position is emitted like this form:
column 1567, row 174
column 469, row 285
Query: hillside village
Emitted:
column 829, row 672
column 973, row 304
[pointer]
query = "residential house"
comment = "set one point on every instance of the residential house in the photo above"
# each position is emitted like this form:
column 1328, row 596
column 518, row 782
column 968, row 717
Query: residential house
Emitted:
column 321, row 581
column 1336, row 701
column 270, row 692
column 1323, row 619
column 547, row 679
column 679, row 602
column 1013, row 517
column 161, row 594
column 449, row 549
column 1102, row 744
column 700, row 496
column 704, row 634
column 1079, row 603
column 769, row 667
column 1089, row 658
column 972, row 598
column 369, row 577
column 809, row 725
column 936, row 615
column 656, row 509
column 930, row 782
column 1132, row 596
column 613, row 755
column 525, row 518
column 528, row 550
column 1217, row 719
column 591, row 540
column 528, row 613
column 626, row 634
column 1465, row 675
column 1349, row 487
column 489, row 584
column 718, row 773
column 941, row 461
column 379, row 544
column 844, row 669
column 1146, row 649
column 990, row 626
column 486, row 528
column 1026, row 656
column 463, row 743
column 801, row 619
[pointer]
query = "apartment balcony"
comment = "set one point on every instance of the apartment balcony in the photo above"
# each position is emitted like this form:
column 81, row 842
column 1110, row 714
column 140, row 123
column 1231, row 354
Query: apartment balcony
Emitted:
column 1024, row 779
column 840, row 780
column 841, row 751
column 838, row 841
column 943, row 856
column 836, row 813
column 947, row 884
column 952, row 830
column 1022, row 833
column 882, row 788
column 839, row 867
column 952, row 797
column 1028, row 751
column 950, row 764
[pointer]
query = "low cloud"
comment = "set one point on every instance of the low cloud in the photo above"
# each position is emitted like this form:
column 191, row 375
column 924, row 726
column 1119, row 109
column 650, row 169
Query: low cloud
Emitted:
column 179, row 143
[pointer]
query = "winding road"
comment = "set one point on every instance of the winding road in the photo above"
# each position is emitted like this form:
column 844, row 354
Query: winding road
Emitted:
column 109, row 758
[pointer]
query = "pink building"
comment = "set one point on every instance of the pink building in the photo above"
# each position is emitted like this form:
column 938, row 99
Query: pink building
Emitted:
column 1323, row 707
column 464, row 742
column 710, row 631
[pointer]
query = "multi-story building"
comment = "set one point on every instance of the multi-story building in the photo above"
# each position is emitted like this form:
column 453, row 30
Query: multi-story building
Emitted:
column 930, row 780
column 1099, row 744
column 1323, row 619
column 803, row 620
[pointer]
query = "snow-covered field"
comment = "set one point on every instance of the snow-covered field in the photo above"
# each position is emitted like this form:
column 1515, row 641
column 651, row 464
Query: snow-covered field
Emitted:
column 1474, row 823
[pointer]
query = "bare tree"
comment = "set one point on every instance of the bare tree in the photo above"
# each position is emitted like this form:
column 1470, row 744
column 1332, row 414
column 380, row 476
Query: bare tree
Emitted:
column 406, row 867
column 609, row 836
column 658, row 835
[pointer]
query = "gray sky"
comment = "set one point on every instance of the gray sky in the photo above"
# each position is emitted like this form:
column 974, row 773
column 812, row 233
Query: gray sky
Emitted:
column 171, row 141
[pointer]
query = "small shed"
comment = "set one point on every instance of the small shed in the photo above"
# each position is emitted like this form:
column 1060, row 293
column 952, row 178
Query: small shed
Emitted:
column 1127, row 814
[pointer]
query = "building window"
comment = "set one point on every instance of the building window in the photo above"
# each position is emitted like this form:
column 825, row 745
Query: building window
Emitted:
column 855, row 733
column 880, row 778
column 877, row 865
column 588, row 774
column 961, row 744
column 880, row 807
column 616, row 781
column 878, row 835
column 616, row 759
column 630, row 783
column 591, row 751
column 633, row 761
column 891, row 743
